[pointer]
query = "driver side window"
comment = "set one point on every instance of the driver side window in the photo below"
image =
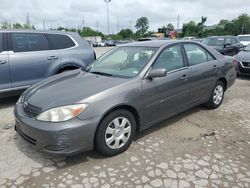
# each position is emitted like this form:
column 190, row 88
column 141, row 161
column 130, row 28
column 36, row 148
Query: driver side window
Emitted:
column 170, row 59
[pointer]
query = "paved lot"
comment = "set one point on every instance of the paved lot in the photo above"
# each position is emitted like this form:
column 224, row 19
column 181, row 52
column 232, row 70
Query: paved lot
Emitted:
column 198, row 148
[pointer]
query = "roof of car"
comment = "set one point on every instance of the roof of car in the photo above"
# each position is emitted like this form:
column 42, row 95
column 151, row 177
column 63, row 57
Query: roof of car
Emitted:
column 34, row 31
column 152, row 43
column 220, row 36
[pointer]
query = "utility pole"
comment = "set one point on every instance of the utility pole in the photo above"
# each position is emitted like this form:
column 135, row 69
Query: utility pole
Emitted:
column 97, row 26
column 83, row 23
column 44, row 28
column 130, row 26
column 117, row 26
column 178, row 22
column 243, row 27
column 28, row 20
column 107, row 2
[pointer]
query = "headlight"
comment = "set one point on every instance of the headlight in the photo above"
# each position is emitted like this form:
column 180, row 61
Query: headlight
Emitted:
column 62, row 113
column 20, row 100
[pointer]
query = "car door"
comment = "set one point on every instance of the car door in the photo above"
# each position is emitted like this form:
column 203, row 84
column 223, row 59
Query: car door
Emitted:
column 228, row 49
column 31, row 60
column 203, row 73
column 166, row 96
column 5, row 82
column 235, row 46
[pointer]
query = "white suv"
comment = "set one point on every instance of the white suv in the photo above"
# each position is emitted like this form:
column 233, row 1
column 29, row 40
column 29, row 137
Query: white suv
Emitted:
column 244, row 39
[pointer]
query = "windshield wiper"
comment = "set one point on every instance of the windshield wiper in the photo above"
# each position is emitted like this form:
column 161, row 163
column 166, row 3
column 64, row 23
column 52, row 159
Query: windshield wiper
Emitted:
column 101, row 73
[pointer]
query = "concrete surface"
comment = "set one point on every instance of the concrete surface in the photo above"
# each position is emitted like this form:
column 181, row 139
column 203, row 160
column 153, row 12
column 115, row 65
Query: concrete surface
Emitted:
column 198, row 148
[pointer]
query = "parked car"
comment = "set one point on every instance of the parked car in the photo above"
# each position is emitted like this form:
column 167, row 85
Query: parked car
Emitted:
column 110, row 43
column 102, row 44
column 226, row 45
column 242, row 61
column 122, row 93
column 95, row 44
column 244, row 39
column 29, row 56
column 189, row 38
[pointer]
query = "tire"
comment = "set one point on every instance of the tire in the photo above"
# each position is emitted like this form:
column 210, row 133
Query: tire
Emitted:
column 214, row 102
column 115, row 133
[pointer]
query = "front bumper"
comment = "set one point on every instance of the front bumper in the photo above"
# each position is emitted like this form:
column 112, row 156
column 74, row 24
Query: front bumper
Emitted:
column 65, row 138
column 242, row 70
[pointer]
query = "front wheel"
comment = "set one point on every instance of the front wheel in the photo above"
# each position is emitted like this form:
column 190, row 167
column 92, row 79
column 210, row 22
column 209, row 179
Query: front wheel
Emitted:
column 115, row 133
column 217, row 96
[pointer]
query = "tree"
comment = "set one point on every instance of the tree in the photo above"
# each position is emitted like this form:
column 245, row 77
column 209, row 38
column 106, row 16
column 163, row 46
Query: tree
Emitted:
column 142, row 25
column 126, row 33
column 224, row 22
column 170, row 27
column 189, row 29
column 17, row 26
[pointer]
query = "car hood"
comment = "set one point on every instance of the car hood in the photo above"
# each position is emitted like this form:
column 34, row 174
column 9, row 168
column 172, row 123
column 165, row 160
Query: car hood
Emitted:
column 218, row 48
column 243, row 56
column 69, row 88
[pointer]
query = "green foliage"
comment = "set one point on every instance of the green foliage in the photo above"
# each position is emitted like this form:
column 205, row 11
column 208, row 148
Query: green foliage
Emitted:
column 240, row 25
column 142, row 25
column 126, row 33
column 6, row 25
column 170, row 27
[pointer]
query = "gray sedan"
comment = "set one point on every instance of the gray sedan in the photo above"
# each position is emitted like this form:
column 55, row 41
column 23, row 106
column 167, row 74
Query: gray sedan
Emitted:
column 124, row 92
column 242, row 61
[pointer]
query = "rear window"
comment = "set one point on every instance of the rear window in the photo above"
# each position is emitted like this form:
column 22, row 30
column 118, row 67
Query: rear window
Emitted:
column 26, row 42
column 244, row 38
column 1, row 42
column 59, row 41
column 214, row 41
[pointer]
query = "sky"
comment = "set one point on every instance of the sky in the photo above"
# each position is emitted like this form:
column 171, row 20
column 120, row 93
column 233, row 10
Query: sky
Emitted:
column 122, row 13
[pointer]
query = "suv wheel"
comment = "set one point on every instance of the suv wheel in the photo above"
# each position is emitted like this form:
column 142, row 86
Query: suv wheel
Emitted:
column 115, row 133
column 217, row 96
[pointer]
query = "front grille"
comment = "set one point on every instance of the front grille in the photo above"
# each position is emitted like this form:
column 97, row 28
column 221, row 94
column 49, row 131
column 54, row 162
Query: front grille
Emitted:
column 246, row 64
column 31, row 110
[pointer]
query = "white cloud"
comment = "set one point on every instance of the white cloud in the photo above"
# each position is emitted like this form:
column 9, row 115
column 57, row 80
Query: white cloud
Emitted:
column 74, row 13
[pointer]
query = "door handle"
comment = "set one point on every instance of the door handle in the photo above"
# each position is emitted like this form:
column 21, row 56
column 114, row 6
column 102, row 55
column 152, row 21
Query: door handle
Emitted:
column 184, row 77
column 215, row 67
column 52, row 57
column 2, row 62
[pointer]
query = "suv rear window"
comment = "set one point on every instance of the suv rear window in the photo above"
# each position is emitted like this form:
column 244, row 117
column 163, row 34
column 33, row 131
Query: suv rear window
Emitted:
column 1, row 42
column 26, row 42
column 59, row 41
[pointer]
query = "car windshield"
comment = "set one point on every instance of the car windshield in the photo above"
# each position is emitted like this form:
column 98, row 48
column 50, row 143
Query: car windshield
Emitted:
column 214, row 41
column 244, row 38
column 125, row 62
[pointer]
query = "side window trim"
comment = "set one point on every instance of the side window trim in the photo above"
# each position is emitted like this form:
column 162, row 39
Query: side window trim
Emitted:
column 204, row 49
column 70, row 37
column 11, row 40
column 183, row 59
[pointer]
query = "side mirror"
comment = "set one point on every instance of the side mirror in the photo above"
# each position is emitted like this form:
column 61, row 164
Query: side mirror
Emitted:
column 228, row 44
column 156, row 73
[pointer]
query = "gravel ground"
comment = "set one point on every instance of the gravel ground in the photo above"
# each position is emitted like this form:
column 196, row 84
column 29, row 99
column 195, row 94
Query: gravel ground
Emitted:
column 198, row 148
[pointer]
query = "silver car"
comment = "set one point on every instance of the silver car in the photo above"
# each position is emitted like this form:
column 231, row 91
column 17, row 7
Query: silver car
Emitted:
column 29, row 56
column 122, row 93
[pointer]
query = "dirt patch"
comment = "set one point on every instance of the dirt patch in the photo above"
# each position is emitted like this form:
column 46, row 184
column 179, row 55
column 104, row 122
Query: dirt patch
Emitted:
column 186, row 130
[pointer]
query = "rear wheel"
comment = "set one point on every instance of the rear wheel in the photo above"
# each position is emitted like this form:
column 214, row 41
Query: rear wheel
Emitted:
column 115, row 133
column 217, row 96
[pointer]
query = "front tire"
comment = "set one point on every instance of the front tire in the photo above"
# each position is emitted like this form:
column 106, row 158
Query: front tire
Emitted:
column 217, row 96
column 115, row 133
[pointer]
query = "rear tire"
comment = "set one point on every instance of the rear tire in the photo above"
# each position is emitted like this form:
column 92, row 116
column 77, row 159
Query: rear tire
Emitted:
column 217, row 96
column 115, row 133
